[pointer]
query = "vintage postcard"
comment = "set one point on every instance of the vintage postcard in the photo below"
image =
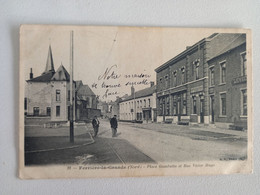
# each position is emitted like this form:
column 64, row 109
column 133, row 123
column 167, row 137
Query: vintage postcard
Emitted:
column 107, row 101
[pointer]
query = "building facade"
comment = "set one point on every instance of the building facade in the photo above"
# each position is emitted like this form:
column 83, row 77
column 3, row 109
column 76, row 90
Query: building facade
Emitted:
column 139, row 106
column 183, row 81
column 228, row 84
column 48, row 95
column 113, row 107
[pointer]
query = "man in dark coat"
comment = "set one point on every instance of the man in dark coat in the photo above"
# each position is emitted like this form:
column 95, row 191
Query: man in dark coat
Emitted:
column 113, row 123
column 95, row 124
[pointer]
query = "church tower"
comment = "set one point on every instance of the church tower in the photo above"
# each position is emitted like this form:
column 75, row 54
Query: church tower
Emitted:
column 49, row 64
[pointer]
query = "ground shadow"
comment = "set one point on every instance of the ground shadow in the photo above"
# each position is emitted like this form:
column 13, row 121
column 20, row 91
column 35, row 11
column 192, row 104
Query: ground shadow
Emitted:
column 103, row 151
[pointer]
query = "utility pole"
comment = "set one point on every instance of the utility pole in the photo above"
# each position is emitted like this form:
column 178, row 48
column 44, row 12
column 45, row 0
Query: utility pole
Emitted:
column 71, row 89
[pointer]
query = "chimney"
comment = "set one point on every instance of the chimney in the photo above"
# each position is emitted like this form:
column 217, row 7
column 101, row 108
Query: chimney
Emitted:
column 31, row 74
column 132, row 90
column 152, row 83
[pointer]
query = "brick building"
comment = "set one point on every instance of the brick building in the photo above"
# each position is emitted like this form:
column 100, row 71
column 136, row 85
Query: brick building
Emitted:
column 183, row 81
column 228, row 84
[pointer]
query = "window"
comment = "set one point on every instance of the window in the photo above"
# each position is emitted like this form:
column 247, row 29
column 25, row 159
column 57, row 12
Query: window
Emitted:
column 36, row 111
column 25, row 103
column 68, row 95
column 174, row 105
column 192, row 69
column 223, row 72
column 211, row 76
column 161, row 81
column 140, row 103
column 194, row 105
column 48, row 111
column 196, row 67
column 167, row 106
column 166, row 80
column 161, row 107
column 144, row 103
column 244, row 66
column 223, row 104
column 197, row 72
column 59, row 75
column 182, row 75
column 137, row 104
column 175, row 78
column 149, row 103
column 57, row 111
column 244, row 102
column 57, row 95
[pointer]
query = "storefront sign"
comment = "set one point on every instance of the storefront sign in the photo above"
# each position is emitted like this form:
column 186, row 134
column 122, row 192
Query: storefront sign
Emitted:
column 239, row 80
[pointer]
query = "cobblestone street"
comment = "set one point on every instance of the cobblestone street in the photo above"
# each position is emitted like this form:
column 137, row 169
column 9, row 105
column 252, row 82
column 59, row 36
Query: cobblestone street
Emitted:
column 135, row 143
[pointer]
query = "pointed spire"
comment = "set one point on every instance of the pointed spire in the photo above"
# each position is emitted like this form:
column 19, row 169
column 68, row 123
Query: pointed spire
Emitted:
column 49, row 63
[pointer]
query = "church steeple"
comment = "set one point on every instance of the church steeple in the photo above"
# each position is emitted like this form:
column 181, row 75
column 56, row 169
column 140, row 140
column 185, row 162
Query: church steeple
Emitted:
column 49, row 64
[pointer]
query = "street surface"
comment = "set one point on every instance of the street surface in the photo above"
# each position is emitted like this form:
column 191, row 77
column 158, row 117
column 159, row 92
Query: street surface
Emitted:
column 135, row 143
column 175, row 143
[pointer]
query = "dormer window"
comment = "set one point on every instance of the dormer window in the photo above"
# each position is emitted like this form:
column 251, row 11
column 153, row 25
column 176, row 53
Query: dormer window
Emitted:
column 59, row 75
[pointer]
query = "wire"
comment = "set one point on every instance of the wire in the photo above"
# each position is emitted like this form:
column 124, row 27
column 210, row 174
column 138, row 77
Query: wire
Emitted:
column 109, row 53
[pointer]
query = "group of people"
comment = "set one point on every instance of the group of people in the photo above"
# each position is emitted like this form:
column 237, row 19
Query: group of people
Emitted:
column 113, row 124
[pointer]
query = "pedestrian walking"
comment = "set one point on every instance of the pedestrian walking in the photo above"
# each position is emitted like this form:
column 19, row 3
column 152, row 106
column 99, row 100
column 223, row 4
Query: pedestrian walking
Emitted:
column 95, row 123
column 113, row 123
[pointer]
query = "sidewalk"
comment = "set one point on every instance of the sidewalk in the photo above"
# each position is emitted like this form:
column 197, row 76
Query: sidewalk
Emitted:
column 39, row 139
column 242, row 134
column 40, row 131
column 199, row 129
column 102, row 151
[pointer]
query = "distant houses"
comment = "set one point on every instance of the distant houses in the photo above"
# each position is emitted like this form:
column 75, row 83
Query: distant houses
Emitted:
column 139, row 106
column 49, row 95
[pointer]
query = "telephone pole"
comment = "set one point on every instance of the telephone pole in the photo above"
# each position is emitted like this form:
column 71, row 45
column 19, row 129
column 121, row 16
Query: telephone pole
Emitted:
column 71, row 89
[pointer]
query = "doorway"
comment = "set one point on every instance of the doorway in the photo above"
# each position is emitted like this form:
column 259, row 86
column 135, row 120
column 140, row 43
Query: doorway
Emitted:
column 212, row 105
column 201, row 110
column 68, row 112
column 179, row 109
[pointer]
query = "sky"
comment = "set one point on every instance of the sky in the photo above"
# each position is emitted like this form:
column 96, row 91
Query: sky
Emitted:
column 127, row 51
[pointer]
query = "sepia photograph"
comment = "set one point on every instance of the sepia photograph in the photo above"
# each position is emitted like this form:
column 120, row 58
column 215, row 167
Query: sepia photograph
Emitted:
column 109, row 101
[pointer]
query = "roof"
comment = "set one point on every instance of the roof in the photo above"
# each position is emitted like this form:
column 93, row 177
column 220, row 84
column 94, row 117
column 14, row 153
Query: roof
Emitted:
column 49, row 64
column 188, row 49
column 78, row 84
column 61, row 74
column 84, row 90
column 43, row 78
column 142, row 93
column 234, row 44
